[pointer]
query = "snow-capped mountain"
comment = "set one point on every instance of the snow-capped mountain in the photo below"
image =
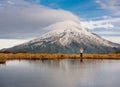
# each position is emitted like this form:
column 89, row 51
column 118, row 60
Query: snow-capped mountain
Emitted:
column 67, row 37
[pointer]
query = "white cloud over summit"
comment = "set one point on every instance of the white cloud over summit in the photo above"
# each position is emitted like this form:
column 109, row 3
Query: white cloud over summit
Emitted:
column 23, row 20
column 20, row 19
column 26, row 20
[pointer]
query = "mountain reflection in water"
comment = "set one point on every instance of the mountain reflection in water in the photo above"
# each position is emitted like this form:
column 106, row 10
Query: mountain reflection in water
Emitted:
column 60, row 73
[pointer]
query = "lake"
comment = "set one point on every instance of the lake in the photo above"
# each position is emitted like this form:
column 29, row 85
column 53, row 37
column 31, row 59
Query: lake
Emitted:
column 60, row 73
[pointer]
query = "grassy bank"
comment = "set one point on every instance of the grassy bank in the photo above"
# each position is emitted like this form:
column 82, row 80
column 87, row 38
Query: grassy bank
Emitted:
column 10, row 56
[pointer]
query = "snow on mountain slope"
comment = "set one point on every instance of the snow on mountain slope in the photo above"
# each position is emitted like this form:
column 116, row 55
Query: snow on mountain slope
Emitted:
column 67, row 37
column 66, row 32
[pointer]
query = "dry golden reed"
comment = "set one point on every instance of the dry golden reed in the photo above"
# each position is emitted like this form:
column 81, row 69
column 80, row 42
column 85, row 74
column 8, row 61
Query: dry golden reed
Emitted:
column 9, row 56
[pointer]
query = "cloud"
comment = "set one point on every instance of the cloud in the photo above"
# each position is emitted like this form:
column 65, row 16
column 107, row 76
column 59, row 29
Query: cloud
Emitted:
column 112, row 38
column 111, row 5
column 20, row 19
column 104, row 23
column 94, row 25
column 109, row 33
column 10, row 42
column 10, row 2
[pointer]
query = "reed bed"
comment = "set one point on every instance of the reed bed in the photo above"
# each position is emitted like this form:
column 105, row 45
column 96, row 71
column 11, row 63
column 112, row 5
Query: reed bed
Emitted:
column 102, row 56
column 38, row 56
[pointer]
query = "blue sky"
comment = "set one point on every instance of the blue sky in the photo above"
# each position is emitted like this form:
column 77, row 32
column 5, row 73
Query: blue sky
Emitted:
column 84, row 8
column 22, row 20
column 89, row 10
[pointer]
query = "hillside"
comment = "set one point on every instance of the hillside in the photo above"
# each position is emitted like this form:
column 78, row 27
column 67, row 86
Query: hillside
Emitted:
column 67, row 37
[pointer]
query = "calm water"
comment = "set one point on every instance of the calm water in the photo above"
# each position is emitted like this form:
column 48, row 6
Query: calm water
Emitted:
column 63, row 73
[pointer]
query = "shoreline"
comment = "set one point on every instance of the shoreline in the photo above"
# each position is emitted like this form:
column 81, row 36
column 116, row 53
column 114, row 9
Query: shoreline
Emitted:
column 37, row 56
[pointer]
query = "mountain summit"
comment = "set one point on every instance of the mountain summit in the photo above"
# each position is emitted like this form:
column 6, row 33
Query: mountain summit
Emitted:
column 67, row 37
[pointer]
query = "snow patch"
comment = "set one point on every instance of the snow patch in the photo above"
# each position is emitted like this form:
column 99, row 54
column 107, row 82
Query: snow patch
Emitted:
column 68, row 31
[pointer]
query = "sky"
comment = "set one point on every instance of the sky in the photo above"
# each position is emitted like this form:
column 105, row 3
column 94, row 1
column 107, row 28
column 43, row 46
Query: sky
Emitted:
column 23, row 20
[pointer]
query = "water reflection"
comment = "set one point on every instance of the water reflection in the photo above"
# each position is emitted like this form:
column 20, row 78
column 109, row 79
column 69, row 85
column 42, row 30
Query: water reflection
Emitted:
column 60, row 73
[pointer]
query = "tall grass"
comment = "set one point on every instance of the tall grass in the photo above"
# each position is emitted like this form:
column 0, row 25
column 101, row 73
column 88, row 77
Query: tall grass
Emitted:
column 10, row 56
column 3, row 58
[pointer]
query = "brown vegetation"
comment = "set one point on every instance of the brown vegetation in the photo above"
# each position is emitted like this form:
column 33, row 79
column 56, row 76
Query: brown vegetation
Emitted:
column 10, row 56
column 102, row 56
